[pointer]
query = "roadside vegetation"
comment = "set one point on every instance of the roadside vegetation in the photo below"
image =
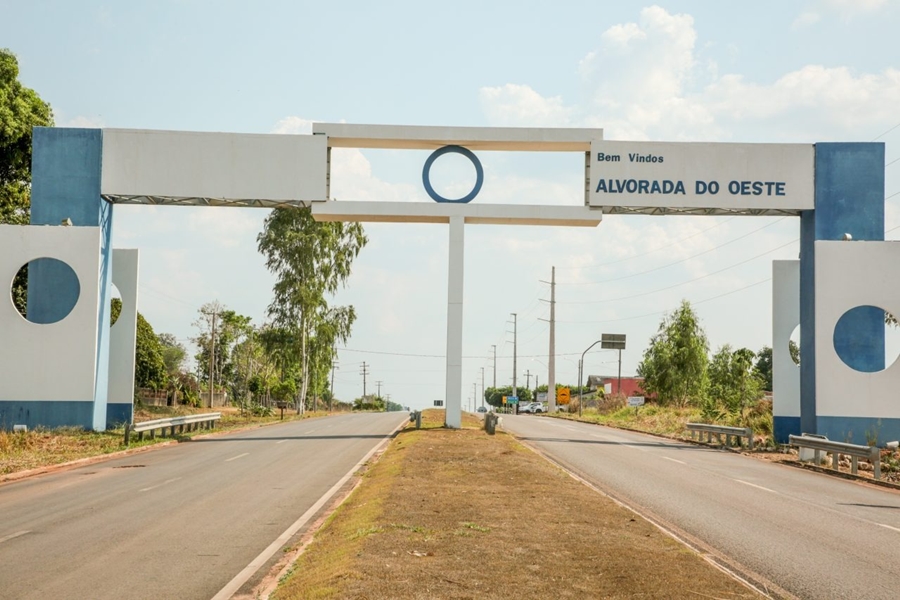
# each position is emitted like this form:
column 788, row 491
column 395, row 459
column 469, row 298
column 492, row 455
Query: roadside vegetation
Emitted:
column 461, row 514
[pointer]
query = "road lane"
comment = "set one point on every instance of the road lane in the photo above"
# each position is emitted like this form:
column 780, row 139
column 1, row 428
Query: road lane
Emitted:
column 177, row 522
column 813, row 535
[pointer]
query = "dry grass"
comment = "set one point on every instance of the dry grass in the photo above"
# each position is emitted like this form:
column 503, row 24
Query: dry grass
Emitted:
column 460, row 514
column 43, row 448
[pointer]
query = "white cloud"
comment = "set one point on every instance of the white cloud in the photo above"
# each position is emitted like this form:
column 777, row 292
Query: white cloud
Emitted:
column 806, row 19
column 644, row 81
column 82, row 121
column 513, row 104
column 850, row 7
column 293, row 125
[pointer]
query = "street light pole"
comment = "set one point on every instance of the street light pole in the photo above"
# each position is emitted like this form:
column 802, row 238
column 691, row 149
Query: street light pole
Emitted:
column 580, row 369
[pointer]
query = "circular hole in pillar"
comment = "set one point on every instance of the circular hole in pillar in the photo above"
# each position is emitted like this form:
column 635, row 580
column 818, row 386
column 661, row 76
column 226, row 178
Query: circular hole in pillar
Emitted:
column 867, row 339
column 55, row 290
column 115, row 304
column 794, row 345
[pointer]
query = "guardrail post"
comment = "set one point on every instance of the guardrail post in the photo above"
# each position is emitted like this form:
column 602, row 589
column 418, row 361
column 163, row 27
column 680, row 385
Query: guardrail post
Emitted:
column 749, row 434
column 127, row 433
column 876, row 461
column 854, row 465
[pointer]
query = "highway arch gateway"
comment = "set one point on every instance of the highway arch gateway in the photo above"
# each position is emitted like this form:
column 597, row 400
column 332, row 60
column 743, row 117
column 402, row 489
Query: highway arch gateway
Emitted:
column 80, row 175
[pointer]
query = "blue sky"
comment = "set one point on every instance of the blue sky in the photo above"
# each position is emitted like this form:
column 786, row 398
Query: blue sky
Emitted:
column 751, row 72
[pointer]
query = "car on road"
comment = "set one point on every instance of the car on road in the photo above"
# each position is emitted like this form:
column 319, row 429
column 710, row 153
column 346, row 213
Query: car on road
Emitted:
column 532, row 408
column 481, row 409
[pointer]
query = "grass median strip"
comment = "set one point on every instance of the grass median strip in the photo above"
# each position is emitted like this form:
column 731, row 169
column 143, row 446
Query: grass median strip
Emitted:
column 460, row 514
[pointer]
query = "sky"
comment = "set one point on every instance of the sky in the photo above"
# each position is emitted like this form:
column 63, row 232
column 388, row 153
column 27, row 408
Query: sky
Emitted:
column 803, row 71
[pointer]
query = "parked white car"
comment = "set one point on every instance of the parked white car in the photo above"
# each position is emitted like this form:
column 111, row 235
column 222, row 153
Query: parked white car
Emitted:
column 533, row 407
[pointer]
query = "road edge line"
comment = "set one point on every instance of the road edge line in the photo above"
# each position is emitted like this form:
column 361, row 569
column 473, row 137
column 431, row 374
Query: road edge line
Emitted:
column 233, row 586
column 744, row 576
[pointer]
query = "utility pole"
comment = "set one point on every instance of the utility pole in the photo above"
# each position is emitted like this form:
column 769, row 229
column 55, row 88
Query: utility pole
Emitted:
column 482, row 387
column 378, row 385
column 364, row 371
column 551, row 360
column 474, row 395
column 528, row 378
column 494, row 346
column 334, row 365
column 515, row 352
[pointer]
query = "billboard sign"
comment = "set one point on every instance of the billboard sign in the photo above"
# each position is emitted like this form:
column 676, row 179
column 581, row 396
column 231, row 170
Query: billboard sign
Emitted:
column 701, row 178
column 612, row 341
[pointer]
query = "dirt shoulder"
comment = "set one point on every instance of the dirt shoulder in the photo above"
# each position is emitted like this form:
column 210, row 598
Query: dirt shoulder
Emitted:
column 460, row 514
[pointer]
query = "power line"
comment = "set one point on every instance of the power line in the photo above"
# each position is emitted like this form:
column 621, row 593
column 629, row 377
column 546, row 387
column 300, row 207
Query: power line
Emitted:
column 672, row 264
column 661, row 312
column 684, row 282
column 675, row 243
column 886, row 132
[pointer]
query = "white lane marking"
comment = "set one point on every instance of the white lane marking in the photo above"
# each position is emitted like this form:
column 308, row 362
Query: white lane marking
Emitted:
column 241, row 578
column 632, row 447
column 282, row 441
column 759, row 487
column 312, row 431
column 680, row 462
column 598, row 436
column 13, row 536
column 153, row 487
column 237, row 457
column 879, row 524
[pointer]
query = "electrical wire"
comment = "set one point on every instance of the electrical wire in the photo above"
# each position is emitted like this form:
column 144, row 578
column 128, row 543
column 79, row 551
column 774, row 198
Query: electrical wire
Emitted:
column 752, row 258
column 675, row 243
column 677, row 262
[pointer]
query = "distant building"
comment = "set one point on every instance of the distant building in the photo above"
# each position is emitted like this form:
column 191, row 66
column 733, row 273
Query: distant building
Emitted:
column 631, row 386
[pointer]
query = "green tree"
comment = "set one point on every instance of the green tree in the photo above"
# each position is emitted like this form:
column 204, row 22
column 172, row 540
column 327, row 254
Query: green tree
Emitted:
column 763, row 367
column 674, row 364
column 733, row 382
column 309, row 260
column 173, row 353
column 21, row 109
column 149, row 366
column 494, row 396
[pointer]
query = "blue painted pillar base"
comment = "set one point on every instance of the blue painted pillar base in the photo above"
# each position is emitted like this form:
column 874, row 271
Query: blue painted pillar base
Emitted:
column 860, row 430
column 48, row 414
column 784, row 427
column 118, row 415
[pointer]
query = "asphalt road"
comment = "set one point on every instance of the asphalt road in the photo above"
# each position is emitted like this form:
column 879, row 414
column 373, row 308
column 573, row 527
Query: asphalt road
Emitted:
column 177, row 522
column 813, row 535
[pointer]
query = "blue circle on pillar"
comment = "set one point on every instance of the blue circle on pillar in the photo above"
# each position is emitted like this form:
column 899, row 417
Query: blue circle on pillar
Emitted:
column 479, row 174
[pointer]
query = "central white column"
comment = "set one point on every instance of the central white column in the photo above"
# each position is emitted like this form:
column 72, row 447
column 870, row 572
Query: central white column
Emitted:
column 455, row 270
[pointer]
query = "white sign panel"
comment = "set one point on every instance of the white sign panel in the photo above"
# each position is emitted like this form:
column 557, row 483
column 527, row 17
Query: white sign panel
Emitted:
column 659, row 177
column 542, row 397
column 635, row 400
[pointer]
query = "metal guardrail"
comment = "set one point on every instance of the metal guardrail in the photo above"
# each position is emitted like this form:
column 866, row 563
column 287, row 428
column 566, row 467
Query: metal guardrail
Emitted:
column 185, row 423
column 698, row 429
column 855, row 452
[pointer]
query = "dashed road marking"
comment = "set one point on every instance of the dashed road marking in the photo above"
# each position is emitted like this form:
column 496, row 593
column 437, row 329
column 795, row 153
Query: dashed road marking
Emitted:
column 756, row 486
column 879, row 524
column 680, row 462
column 13, row 536
column 237, row 457
column 153, row 487
column 282, row 441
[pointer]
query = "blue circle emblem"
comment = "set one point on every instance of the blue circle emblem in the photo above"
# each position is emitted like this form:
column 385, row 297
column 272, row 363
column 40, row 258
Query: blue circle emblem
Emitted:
column 479, row 174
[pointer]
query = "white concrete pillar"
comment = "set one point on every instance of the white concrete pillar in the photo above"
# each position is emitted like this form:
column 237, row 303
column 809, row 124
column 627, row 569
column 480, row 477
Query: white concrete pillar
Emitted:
column 455, row 271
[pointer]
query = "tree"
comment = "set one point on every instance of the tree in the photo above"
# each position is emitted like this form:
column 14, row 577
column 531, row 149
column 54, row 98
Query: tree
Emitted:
column 149, row 366
column 763, row 367
column 173, row 353
column 675, row 363
column 21, row 109
column 733, row 381
column 494, row 396
column 309, row 259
